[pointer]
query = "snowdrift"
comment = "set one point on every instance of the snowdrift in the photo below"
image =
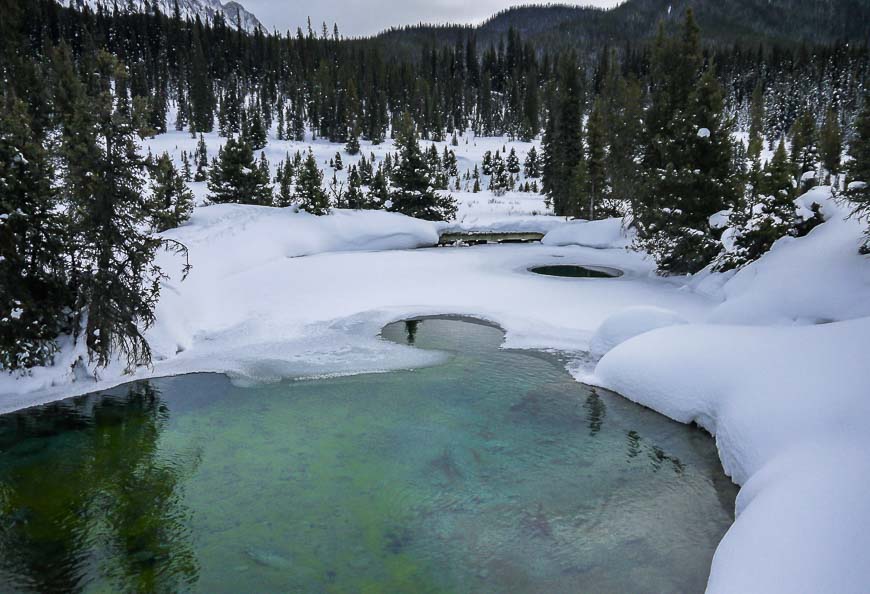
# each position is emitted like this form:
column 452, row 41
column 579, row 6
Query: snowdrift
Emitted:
column 603, row 234
column 779, row 376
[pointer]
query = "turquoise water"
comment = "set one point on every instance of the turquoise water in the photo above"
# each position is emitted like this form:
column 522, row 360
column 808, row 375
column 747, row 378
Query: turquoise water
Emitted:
column 494, row 472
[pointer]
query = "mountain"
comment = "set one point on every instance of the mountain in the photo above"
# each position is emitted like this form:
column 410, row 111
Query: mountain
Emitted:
column 722, row 22
column 206, row 10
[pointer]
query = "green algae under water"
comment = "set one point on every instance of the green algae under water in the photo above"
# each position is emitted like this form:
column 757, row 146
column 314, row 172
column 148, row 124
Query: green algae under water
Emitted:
column 494, row 472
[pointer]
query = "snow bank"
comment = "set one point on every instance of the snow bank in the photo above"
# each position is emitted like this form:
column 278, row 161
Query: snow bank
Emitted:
column 275, row 294
column 789, row 408
column 606, row 233
column 517, row 212
column 788, row 401
column 628, row 323
column 814, row 279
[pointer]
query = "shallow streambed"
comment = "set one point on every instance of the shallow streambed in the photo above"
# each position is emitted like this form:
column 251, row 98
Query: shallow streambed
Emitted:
column 493, row 472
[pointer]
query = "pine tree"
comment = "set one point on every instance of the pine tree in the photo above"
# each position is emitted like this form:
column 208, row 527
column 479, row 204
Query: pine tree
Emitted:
column 379, row 192
column 858, row 190
column 597, row 164
column 186, row 171
column 768, row 216
column 256, row 133
column 200, row 157
column 354, row 196
column 202, row 101
column 512, row 163
column 237, row 178
column 498, row 181
column 116, row 278
column 687, row 161
column 486, row 165
column 413, row 191
column 337, row 163
column 756, row 122
column 309, row 187
column 352, row 146
column 563, row 143
column 831, row 142
column 532, row 166
column 33, row 280
column 284, row 195
column 172, row 199
column 804, row 148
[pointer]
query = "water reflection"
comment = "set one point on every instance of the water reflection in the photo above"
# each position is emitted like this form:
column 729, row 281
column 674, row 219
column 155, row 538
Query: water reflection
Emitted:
column 85, row 494
column 411, row 330
column 595, row 412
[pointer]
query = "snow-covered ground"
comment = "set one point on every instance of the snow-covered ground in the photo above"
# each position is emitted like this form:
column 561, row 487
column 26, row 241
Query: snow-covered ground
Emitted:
column 771, row 359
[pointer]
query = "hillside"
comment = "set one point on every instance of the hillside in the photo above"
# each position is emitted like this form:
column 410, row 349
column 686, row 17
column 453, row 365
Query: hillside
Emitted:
column 782, row 21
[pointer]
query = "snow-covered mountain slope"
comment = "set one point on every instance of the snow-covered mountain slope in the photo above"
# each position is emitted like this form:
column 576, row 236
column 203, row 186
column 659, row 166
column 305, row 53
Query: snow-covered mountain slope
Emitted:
column 205, row 9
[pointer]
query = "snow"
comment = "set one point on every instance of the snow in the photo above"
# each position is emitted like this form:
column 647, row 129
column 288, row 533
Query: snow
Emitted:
column 602, row 234
column 628, row 323
column 770, row 359
column 778, row 373
column 512, row 212
column 703, row 132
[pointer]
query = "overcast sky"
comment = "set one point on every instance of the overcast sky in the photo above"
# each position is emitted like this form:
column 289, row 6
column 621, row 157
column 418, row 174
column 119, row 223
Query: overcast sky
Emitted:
column 365, row 17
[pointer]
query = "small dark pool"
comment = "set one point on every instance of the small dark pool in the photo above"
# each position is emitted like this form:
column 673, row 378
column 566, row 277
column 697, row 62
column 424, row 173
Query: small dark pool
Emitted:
column 571, row 271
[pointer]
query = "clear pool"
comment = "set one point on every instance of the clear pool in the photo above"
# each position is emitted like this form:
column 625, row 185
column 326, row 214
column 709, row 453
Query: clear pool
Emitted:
column 495, row 472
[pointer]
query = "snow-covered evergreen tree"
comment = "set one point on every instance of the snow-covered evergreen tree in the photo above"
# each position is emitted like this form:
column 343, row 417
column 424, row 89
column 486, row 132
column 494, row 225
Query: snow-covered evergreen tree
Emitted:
column 413, row 190
column 236, row 177
column 309, row 187
column 172, row 199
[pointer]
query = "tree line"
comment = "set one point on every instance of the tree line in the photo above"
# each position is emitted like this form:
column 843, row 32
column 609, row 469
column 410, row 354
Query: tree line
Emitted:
column 662, row 152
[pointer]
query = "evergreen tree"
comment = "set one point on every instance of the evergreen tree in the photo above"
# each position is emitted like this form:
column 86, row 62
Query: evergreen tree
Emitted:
column 767, row 217
column 512, row 163
column 354, row 196
column 756, row 122
column 237, row 178
column 831, row 142
column 33, row 281
column 413, row 191
column 202, row 101
column 563, row 143
column 858, row 190
column 256, row 133
column 379, row 192
column 172, row 199
column 284, row 181
column 116, row 278
column 597, row 164
column 309, row 187
column 804, row 148
column 532, row 166
column 687, row 159
column 486, row 165
column 200, row 157
column 498, row 181
column 352, row 146
column 186, row 171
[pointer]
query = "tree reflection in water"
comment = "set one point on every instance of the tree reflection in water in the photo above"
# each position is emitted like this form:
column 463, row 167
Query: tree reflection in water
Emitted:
column 110, row 508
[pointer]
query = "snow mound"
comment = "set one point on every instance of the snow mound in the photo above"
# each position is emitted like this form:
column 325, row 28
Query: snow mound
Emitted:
column 779, row 376
column 628, row 323
column 789, row 409
column 814, row 279
column 603, row 234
